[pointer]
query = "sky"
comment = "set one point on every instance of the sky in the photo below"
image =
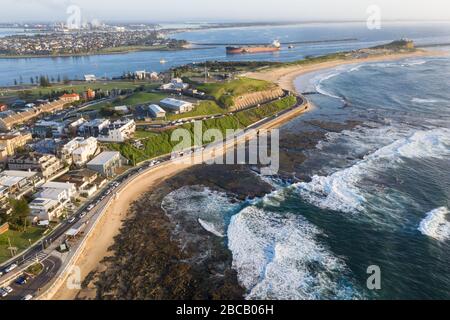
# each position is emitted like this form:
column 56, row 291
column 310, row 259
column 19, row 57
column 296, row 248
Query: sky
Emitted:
column 223, row 10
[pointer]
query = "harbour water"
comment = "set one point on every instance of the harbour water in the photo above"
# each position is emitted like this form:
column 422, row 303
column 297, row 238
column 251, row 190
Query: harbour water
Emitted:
column 114, row 65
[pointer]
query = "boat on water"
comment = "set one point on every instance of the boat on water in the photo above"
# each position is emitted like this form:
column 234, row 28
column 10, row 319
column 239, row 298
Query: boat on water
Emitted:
column 163, row 61
column 275, row 46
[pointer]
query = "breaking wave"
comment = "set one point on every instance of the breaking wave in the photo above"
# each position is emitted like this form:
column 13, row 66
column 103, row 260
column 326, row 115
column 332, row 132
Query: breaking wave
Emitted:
column 436, row 225
column 340, row 191
column 279, row 257
column 211, row 209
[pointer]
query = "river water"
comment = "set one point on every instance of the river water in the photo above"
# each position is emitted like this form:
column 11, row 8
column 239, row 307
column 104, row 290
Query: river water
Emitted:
column 115, row 65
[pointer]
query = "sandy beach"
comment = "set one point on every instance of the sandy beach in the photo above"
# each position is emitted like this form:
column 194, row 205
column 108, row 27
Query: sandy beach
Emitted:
column 102, row 239
column 98, row 244
column 286, row 76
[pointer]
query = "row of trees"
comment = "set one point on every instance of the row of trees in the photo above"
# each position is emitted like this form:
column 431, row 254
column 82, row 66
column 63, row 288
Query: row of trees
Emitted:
column 43, row 81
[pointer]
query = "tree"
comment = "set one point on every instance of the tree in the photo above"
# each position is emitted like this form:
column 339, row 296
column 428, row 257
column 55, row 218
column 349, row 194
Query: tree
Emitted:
column 32, row 80
column 15, row 82
column 43, row 81
column 20, row 213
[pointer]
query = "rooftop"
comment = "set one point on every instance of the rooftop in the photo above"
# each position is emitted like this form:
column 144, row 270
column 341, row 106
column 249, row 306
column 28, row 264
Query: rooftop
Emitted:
column 104, row 157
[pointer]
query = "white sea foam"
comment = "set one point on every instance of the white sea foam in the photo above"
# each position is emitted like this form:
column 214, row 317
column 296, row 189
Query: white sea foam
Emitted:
column 341, row 190
column 436, row 225
column 210, row 208
column 423, row 101
column 319, row 87
column 278, row 256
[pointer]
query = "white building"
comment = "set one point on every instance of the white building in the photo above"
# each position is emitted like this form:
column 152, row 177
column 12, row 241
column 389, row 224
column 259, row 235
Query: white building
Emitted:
column 175, row 85
column 46, row 209
column 90, row 78
column 59, row 195
column 118, row 131
column 176, row 106
column 106, row 163
column 70, row 188
column 156, row 111
column 79, row 150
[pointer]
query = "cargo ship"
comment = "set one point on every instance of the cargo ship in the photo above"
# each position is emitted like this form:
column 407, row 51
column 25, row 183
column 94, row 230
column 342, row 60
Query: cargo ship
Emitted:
column 275, row 46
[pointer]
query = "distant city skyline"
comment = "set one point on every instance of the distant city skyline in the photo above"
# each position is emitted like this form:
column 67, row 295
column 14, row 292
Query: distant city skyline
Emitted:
column 225, row 11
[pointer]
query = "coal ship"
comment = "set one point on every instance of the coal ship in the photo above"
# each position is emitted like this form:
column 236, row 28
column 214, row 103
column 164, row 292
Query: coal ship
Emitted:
column 275, row 46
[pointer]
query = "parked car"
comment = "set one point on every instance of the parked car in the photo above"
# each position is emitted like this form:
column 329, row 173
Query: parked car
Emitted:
column 11, row 268
column 21, row 280
column 27, row 297
column 71, row 220
column 3, row 293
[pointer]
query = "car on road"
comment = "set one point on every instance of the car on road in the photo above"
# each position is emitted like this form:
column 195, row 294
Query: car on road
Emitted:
column 3, row 293
column 10, row 268
column 27, row 297
column 71, row 220
column 8, row 289
column 82, row 215
column 90, row 207
column 21, row 280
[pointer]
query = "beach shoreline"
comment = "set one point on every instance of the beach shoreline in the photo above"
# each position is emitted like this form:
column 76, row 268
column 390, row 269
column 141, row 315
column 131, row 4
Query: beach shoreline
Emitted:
column 97, row 247
column 285, row 76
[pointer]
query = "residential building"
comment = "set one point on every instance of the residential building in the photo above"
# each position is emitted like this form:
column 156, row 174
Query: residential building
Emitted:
column 176, row 106
column 79, row 150
column 48, row 129
column 18, row 183
column 118, row 131
column 12, row 142
column 156, row 111
column 93, row 128
column 46, row 209
column 122, row 109
column 70, row 97
column 106, row 163
column 46, row 164
column 90, row 94
column 8, row 122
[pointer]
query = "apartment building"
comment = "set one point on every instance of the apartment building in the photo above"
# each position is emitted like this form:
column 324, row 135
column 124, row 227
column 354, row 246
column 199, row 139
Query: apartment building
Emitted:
column 46, row 164
column 118, row 131
column 79, row 150
column 12, row 142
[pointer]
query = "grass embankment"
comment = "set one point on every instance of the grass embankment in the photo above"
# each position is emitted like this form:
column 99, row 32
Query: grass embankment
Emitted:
column 157, row 144
column 20, row 240
column 204, row 108
column 224, row 93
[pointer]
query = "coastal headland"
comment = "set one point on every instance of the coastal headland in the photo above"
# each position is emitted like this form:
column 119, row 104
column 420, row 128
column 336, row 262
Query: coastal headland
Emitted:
column 97, row 248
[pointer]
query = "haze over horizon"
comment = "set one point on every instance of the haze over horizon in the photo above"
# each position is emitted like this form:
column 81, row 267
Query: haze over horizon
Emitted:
column 226, row 11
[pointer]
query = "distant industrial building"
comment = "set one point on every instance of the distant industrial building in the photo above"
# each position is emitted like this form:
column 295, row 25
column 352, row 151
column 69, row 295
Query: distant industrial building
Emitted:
column 90, row 78
column 106, row 163
column 175, row 84
column 176, row 106
column 156, row 111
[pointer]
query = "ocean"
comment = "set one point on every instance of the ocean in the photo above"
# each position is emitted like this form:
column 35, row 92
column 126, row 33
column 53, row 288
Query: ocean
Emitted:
column 377, row 194
column 114, row 65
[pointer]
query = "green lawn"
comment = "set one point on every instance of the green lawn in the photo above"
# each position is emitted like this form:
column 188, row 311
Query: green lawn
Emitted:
column 134, row 100
column 224, row 92
column 37, row 92
column 157, row 144
column 19, row 240
column 203, row 109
